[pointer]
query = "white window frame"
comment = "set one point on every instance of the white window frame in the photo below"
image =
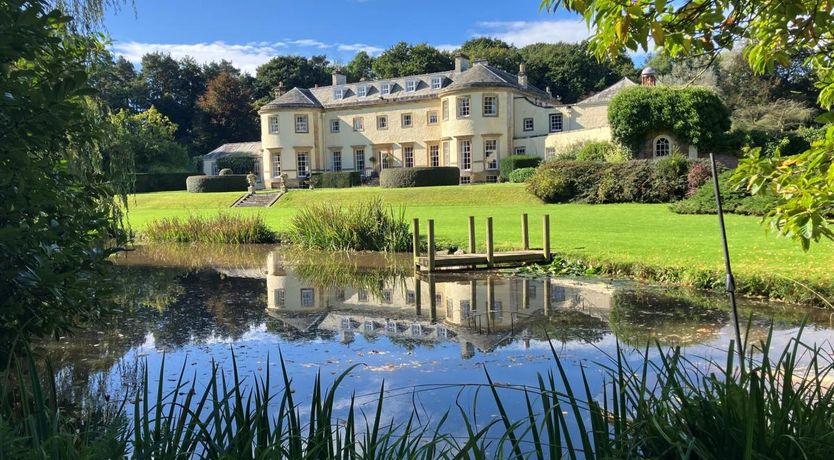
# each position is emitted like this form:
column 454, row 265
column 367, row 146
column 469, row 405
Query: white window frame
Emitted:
column 359, row 161
column 280, row 297
column 532, row 125
column 384, row 122
column 408, row 156
column 549, row 153
column 410, row 120
column 436, row 82
column 491, row 150
column 302, row 124
column 667, row 146
column 385, row 88
column 464, row 106
column 410, row 86
column 335, row 125
column 360, row 126
column 362, row 91
column 274, row 124
column 556, row 122
column 494, row 112
column 276, row 165
column 429, row 115
column 434, row 155
column 522, row 150
column 492, row 179
column 465, row 151
column 338, row 93
column 308, row 297
column 337, row 160
column 302, row 172
column 465, row 180
column 444, row 106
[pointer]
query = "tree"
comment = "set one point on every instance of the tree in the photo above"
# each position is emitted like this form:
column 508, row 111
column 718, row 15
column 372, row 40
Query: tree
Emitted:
column 292, row 71
column 571, row 70
column 214, row 68
column 148, row 139
column 770, row 34
column 59, row 216
column 116, row 82
column 226, row 113
column 361, row 66
column 403, row 59
column 173, row 88
column 499, row 53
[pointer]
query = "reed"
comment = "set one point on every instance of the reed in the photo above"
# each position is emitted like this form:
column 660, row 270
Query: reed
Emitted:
column 364, row 226
column 221, row 228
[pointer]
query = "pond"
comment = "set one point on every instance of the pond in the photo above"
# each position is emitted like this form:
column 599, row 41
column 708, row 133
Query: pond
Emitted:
column 423, row 336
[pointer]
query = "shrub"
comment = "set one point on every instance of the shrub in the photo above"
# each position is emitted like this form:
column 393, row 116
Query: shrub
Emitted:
column 367, row 226
column 593, row 151
column 522, row 174
column 551, row 186
column 239, row 163
column 669, row 177
column 222, row 228
column 733, row 199
column 419, row 177
column 160, row 182
column 225, row 172
column 342, row 179
column 513, row 162
column 222, row 183
column 699, row 173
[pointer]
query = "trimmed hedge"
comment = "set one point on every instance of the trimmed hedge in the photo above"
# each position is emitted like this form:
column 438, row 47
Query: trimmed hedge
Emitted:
column 522, row 175
column 635, row 181
column 208, row 184
column 341, row 179
column 513, row 162
column 421, row 176
column 160, row 182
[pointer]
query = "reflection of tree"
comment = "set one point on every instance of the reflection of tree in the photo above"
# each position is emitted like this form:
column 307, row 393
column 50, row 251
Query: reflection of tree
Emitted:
column 571, row 325
column 644, row 315
column 369, row 271
column 146, row 287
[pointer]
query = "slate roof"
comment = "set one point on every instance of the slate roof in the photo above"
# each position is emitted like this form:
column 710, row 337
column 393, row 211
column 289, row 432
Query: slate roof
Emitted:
column 604, row 96
column 249, row 148
column 479, row 75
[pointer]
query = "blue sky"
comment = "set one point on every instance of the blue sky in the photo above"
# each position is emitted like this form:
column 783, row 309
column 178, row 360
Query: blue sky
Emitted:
column 249, row 32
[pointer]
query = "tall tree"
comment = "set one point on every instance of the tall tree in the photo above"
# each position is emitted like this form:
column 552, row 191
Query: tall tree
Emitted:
column 361, row 66
column 148, row 139
column 403, row 59
column 226, row 113
column 770, row 33
column 571, row 70
column 117, row 83
column 215, row 68
column 292, row 71
column 499, row 53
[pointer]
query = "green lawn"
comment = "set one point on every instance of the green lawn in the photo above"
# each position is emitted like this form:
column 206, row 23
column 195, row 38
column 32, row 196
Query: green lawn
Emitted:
column 631, row 233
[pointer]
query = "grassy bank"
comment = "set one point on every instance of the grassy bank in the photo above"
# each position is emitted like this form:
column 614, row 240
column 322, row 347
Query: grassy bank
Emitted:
column 643, row 240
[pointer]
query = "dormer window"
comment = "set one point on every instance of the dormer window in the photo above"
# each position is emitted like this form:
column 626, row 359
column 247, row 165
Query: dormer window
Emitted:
column 362, row 91
column 338, row 93
column 385, row 88
column 410, row 86
column 436, row 82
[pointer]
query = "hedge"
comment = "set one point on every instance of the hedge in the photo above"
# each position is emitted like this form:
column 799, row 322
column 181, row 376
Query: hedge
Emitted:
column 207, row 184
column 342, row 179
column 637, row 181
column 238, row 163
column 522, row 174
column 513, row 162
column 422, row 176
column 160, row 182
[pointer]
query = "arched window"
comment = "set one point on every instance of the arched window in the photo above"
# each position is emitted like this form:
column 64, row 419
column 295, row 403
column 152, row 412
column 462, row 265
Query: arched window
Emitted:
column 662, row 147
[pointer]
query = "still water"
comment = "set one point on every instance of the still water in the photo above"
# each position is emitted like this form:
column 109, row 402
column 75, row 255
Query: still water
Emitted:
column 422, row 336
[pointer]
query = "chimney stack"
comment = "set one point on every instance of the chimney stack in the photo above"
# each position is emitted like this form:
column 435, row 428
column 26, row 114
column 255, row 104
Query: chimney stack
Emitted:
column 648, row 77
column 338, row 78
column 461, row 63
column 522, row 75
column 280, row 89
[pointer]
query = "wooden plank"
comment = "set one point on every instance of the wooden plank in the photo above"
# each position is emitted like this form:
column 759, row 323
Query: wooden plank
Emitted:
column 472, row 248
column 431, row 245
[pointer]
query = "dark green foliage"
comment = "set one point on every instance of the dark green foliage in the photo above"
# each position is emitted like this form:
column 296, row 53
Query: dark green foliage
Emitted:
column 292, row 71
column 222, row 228
column 366, row 226
column 226, row 183
column 694, row 115
column 733, row 199
column 239, row 163
column 639, row 181
column 403, row 59
column 60, row 198
column 421, row 176
column 522, row 174
column 160, row 182
column 513, row 162
column 499, row 53
column 341, row 179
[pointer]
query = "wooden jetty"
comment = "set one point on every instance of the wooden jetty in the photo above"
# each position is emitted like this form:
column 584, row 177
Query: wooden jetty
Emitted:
column 434, row 262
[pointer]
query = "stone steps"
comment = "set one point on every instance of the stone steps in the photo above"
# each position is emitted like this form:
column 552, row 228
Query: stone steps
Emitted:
column 257, row 200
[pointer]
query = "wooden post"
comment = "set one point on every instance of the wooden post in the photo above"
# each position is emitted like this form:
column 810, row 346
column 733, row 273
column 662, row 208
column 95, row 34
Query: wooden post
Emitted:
column 433, row 299
column 490, row 310
column 546, row 295
column 431, row 245
column 472, row 248
column 546, row 236
column 525, row 295
column 416, row 242
column 418, row 294
column 525, row 235
column 489, row 242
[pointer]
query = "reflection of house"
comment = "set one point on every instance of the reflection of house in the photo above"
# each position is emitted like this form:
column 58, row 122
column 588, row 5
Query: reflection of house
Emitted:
column 478, row 313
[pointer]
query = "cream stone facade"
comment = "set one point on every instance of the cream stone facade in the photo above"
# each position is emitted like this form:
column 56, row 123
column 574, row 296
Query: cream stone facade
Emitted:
column 469, row 117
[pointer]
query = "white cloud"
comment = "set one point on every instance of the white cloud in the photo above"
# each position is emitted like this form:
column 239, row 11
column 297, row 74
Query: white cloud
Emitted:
column 246, row 56
column 523, row 33
column 447, row 47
